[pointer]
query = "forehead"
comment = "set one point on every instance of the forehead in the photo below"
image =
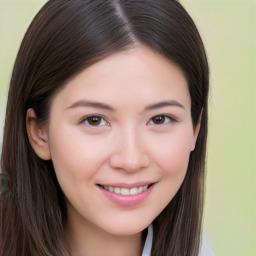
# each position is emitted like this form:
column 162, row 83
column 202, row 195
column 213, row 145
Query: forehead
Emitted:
column 137, row 74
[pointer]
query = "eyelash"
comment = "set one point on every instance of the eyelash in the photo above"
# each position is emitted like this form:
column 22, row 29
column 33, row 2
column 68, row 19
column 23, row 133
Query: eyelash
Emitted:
column 171, row 119
column 99, row 117
column 106, row 123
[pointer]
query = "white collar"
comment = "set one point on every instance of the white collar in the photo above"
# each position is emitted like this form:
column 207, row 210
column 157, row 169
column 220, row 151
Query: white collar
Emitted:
column 148, row 242
column 205, row 248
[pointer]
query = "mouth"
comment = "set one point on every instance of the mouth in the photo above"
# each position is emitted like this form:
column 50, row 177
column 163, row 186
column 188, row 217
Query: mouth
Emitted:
column 125, row 191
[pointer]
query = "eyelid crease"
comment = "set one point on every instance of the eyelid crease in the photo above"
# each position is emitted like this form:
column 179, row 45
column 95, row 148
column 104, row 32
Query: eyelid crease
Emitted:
column 172, row 119
column 83, row 119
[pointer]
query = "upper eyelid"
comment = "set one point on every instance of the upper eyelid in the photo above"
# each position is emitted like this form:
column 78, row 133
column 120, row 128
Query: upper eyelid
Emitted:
column 91, row 115
column 172, row 117
column 172, row 120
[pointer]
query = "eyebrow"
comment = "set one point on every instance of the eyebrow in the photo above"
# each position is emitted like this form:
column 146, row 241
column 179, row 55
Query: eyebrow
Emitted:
column 162, row 104
column 94, row 104
column 100, row 105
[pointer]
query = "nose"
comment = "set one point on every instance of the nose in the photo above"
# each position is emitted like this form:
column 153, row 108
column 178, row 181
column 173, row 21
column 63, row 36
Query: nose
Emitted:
column 129, row 152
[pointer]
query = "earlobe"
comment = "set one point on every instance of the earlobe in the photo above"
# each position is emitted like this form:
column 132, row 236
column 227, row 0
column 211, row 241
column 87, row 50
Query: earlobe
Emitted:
column 196, row 131
column 37, row 135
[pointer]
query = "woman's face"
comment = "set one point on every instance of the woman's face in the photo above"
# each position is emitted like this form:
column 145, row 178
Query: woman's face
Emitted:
column 120, row 135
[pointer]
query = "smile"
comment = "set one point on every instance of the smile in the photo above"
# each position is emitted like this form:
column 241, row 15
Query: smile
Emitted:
column 125, row 191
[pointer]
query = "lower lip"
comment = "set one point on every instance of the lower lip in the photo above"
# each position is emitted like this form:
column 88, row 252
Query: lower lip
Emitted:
column 128, row 200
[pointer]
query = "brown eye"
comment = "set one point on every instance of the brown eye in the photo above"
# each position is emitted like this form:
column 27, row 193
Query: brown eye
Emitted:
column 95, row 121
column 159, row 119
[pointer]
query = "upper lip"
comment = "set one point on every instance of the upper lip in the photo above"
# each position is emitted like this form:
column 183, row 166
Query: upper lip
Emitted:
column 127, row 185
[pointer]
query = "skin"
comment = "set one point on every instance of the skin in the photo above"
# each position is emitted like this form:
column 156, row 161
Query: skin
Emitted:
column 125, row 144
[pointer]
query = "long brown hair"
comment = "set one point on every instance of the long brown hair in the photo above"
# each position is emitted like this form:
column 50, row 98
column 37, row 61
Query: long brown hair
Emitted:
column 64, row 38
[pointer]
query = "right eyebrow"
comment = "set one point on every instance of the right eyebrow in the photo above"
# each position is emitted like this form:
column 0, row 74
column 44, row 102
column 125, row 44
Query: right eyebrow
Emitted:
column 164, row 104
column 94, row 104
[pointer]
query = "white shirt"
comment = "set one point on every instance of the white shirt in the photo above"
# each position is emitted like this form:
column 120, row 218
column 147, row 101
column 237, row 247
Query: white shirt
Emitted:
column 205, row 249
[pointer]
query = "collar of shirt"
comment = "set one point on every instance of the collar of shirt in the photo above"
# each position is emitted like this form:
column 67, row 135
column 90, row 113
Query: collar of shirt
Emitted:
column 148, row 242
column 205, row 249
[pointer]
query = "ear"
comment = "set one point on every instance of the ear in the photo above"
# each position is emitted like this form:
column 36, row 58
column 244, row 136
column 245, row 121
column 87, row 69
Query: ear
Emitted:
column 196, row 131
column 37, row 135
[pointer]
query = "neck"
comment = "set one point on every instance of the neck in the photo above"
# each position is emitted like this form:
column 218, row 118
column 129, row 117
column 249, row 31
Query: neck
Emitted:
column 88, row 239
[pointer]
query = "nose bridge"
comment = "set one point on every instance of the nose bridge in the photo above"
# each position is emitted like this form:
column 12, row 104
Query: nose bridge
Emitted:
column 130, row 150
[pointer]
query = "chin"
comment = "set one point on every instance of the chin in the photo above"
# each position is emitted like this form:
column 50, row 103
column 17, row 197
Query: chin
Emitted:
column 128, row 229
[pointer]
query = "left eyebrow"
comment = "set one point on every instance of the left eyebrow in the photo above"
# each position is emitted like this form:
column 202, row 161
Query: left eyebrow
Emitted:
column 94, row 104
column 162, row 104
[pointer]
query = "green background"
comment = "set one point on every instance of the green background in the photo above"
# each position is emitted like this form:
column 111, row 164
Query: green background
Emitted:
column 228, row 28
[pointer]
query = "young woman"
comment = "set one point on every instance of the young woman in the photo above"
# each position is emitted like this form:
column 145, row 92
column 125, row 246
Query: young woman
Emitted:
column 105, row 132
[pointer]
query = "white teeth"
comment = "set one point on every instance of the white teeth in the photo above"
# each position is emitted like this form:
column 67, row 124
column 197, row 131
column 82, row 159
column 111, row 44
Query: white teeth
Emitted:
column 134, row 191
column 126, row 191
column 111, row 189
column 117, row 190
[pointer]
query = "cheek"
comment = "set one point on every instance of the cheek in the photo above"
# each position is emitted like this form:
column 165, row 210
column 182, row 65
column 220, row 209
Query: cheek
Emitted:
column 75, row 156
column 172, row 160
column 172, row 155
